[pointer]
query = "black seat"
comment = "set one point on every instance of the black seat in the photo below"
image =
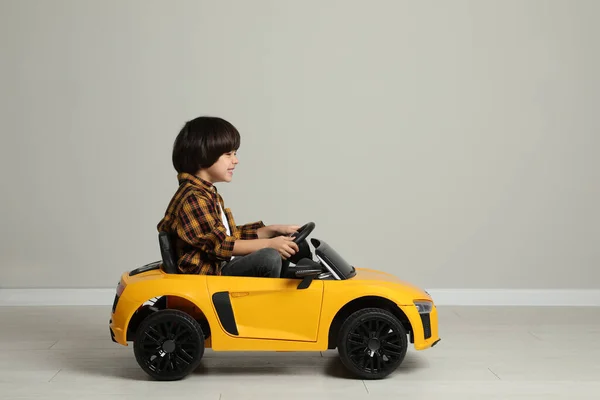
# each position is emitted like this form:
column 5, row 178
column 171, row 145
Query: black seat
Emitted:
column 168, row 252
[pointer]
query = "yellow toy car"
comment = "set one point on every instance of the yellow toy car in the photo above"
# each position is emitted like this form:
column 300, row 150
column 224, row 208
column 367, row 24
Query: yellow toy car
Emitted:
column 316, row 305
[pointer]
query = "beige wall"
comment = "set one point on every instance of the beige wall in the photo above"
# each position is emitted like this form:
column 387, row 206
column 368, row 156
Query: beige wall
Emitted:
column 453, row 143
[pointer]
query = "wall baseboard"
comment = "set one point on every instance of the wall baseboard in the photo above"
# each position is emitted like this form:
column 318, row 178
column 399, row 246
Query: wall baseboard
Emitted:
column 57, row 297
column 442, row 297
column 517, row 297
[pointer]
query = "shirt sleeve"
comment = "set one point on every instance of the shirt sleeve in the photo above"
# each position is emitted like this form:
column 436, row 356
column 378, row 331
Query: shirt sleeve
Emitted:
column 250, row 231
column 201, row 226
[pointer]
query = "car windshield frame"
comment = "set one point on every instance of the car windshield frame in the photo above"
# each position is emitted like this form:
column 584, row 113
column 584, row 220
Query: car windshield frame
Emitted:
column 342, row 268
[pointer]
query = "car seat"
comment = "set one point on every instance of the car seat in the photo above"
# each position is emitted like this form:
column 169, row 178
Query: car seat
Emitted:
column 166, row 242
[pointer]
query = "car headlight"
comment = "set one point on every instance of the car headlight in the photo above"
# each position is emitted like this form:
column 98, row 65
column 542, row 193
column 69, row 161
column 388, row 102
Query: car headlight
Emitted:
column 424, row 307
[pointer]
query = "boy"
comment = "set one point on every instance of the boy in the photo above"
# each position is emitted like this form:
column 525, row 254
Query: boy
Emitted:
column 208, row 241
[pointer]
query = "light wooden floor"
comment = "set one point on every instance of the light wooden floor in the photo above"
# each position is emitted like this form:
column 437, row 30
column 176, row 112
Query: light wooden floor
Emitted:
column 495, row 352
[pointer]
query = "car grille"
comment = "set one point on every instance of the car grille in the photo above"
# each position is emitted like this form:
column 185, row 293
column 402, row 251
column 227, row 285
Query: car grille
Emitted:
column 425, row 319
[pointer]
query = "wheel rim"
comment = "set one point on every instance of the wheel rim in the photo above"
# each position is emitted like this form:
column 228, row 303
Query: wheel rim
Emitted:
column 374, row 346
column 168, row 347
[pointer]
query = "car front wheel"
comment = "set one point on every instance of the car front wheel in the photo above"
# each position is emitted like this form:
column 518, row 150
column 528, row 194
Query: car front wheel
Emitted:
column 372, row 343
column 169, row 345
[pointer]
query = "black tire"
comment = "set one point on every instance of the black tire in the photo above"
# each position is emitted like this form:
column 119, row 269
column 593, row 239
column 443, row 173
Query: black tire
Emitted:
column 169, row 345
column 372, row 343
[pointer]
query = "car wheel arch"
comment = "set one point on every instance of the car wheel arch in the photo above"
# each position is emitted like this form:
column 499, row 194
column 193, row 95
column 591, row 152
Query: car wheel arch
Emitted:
column 172, row 302
column 361, row 303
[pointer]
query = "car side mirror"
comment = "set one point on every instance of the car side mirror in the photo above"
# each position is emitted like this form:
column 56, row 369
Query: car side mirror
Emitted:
column 307, row 275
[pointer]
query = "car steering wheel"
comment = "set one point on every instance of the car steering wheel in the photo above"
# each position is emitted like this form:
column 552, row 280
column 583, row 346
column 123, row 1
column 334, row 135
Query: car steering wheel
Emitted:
column 301, row 234
column 300, row 239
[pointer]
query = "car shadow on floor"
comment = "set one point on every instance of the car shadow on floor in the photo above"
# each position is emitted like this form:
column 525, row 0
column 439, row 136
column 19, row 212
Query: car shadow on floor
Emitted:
column 328, row 366
column 271, row 366
column 122, row 365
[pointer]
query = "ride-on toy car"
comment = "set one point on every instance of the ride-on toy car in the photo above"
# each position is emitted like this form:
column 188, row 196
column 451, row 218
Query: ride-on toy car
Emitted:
column 316, row 305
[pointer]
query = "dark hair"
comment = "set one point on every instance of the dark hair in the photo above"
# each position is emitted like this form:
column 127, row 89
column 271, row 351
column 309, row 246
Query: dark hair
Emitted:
column 202, row 141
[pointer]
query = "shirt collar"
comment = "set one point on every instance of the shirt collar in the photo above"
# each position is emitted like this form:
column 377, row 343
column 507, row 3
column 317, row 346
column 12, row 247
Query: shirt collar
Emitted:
column 195, row 180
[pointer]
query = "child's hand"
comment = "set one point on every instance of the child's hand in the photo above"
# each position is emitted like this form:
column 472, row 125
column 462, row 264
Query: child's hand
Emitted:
column 284, row 230
column 284, row 245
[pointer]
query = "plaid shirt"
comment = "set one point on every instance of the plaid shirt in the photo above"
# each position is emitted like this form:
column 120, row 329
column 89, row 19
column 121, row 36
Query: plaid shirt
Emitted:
column 194, row 215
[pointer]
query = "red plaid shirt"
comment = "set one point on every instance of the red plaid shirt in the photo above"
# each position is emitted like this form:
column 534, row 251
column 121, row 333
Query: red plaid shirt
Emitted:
column 194, row 215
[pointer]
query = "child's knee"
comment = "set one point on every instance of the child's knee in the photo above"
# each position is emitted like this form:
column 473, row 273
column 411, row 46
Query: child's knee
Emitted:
column 270, row 257
column 271, row 262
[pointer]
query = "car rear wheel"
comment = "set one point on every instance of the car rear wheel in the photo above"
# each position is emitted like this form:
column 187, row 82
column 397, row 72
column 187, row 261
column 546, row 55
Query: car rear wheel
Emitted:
column 372, row 343
column 169, row 345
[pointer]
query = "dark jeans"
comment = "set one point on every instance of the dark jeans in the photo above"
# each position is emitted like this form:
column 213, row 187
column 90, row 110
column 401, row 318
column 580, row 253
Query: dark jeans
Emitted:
column 264, row 263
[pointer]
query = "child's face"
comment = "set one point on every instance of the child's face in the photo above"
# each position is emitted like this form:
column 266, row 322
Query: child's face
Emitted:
column 222, row 170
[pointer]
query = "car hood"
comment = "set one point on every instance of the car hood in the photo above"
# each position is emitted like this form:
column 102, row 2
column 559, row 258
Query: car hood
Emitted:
column 375, row 276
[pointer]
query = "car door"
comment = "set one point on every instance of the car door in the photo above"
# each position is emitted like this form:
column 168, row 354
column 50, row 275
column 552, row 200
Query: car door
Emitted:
column 267, row 308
